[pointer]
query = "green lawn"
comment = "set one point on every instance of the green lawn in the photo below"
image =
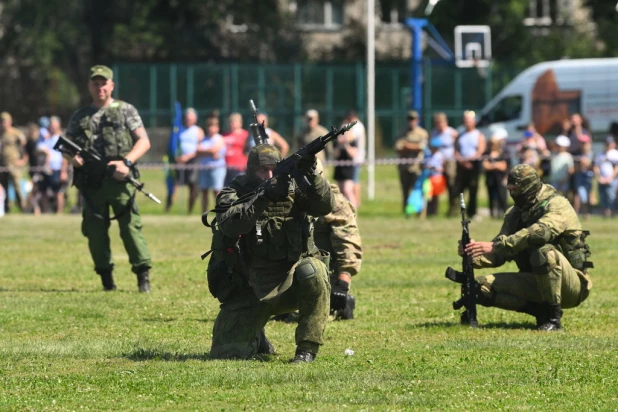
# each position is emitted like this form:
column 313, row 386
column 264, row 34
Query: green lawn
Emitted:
column 66, row 345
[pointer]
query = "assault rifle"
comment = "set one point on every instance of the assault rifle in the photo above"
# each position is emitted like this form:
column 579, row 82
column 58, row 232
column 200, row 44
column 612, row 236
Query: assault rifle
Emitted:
column 466, row 277
column 95, row 165
column 287, row 167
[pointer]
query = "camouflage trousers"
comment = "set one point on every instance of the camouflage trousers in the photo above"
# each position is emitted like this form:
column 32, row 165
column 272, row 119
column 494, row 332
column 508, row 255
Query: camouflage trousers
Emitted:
column 116, row 195
column 552, row 279
column 242, row 317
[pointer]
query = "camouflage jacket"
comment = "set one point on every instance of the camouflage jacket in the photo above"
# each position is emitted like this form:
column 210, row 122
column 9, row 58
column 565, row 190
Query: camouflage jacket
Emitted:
column 277, row 234
column 108, row 129
column 338, row 234
column 551, row 220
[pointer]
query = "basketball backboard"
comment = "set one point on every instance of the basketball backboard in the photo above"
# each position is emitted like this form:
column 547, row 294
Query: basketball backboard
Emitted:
column 472, row 46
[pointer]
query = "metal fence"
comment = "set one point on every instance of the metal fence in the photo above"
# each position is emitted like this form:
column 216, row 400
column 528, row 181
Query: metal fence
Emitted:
column 286, row 91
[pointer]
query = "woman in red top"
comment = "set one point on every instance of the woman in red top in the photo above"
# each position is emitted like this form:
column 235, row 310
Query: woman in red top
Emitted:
column 235, row 157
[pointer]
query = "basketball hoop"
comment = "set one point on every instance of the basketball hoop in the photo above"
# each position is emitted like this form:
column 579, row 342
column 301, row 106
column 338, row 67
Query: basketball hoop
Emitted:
column 473, row 47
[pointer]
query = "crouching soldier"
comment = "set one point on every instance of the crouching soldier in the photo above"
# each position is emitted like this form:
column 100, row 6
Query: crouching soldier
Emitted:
column 544, row 237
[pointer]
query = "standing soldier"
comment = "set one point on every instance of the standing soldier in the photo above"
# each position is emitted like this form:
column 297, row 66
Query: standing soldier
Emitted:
column 12, row 146
column 115, row 129
column 284, row 269
column 544, row 237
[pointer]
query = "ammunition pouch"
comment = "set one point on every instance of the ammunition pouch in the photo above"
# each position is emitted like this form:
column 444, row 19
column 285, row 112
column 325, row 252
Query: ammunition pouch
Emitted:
column 226, row 270
column 577, row 251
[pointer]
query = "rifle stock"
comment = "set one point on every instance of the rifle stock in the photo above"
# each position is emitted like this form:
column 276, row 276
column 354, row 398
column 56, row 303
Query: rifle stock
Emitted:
column 466, row 276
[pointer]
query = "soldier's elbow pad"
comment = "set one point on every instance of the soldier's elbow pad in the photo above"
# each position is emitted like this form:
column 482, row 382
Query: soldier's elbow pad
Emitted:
column 538, row 235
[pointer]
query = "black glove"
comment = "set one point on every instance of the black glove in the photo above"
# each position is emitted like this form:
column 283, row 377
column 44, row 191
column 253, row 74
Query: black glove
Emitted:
column 339, row 294
column 306, row 164
column 278, row 188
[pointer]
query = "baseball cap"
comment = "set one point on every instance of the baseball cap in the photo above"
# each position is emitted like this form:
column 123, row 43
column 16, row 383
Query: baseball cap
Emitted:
column 499, row 133
column 412, row 114
column 563, row 141
column 6, row 116
column 610, row 140
column 190, row 110
column 312, row 113
column 528, row 134
column 101, row 71
column 584, row 138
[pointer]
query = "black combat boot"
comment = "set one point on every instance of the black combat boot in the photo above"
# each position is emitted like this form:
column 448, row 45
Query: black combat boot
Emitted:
column 108, row 281
column 265, row 347
column 303, row 357
column 538, row 310
column 143, row 283
column 554, row 314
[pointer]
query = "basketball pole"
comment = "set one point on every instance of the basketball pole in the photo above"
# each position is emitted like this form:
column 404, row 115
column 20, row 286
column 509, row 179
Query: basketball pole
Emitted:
column 371, row 98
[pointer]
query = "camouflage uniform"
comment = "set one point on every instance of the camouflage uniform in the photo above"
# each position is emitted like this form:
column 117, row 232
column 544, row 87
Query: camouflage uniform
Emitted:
column 544, row 237
column 284, row 270
column 109, row 131
column 11, row 142
column 338, row 234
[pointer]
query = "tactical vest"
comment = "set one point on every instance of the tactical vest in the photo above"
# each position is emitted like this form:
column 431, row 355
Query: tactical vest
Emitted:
column 570, row 243
column 116, row 137
column 282, row 232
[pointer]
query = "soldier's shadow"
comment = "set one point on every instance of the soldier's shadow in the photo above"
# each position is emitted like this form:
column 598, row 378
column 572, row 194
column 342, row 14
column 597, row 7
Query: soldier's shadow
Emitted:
column 141, row 355
column 490, row 325
column 508, row 325
column 41, row 290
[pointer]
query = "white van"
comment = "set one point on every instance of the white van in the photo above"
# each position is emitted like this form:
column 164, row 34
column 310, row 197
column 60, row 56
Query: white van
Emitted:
column 548, row 93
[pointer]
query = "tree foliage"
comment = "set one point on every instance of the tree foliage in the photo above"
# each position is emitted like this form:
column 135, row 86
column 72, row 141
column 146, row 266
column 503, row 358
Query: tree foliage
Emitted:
column 47, row 46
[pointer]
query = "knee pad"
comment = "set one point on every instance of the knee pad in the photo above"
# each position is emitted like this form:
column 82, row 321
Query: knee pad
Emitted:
column 540, row 261
column 306, row 269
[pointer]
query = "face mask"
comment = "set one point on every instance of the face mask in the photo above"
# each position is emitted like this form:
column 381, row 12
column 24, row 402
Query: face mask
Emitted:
column 524, row 201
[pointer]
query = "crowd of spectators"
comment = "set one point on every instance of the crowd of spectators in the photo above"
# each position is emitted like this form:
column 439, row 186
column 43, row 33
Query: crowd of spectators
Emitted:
column 456, row 159
column 223, row 157
column 453, row 160
column 46, row 188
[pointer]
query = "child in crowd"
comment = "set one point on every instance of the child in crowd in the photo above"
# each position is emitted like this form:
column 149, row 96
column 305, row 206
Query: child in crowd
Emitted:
column 435, row 163
column 562, row 165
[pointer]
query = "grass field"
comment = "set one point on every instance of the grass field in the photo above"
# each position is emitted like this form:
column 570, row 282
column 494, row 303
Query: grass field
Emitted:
column 66, row 345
